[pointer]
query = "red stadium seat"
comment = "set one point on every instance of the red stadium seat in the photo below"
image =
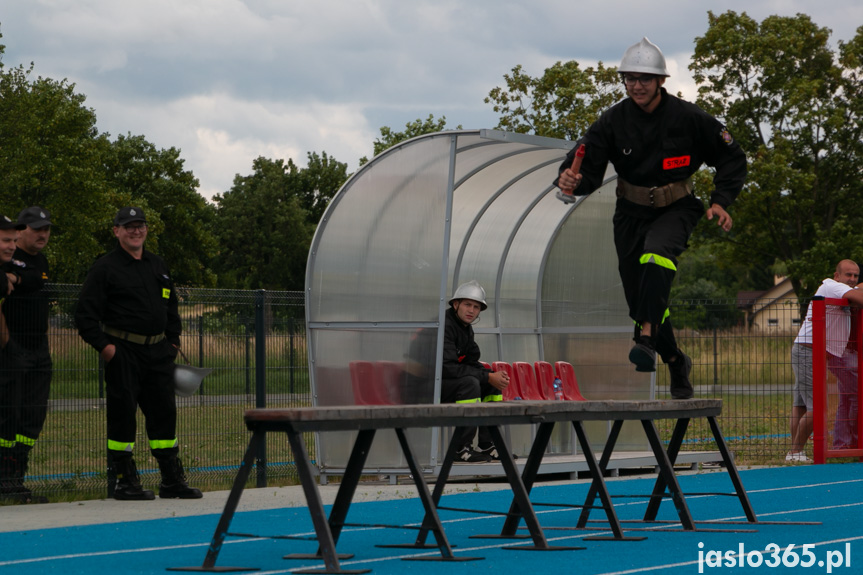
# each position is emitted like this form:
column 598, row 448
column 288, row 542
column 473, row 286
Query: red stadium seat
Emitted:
column 527, row 380
column 512, row 390
column 545, row 378
column 367, row 384
column 390, row 377
column 567, row 378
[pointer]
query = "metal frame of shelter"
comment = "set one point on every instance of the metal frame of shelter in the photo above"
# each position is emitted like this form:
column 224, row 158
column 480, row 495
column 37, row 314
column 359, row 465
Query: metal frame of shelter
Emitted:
column 438, row 210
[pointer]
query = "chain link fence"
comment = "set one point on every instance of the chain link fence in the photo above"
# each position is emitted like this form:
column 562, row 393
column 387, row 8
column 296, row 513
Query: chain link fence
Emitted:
column 255, row 342
column 741, row 354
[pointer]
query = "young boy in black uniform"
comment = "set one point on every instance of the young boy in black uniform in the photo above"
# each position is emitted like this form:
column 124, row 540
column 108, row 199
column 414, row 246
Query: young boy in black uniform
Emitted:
column 463, row 377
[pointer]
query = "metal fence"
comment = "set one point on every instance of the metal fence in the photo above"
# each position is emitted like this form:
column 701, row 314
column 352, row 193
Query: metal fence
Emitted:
column 256, row 343
column 746, row 362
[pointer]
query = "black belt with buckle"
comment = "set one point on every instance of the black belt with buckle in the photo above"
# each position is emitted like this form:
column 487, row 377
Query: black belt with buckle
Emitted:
column 134, row 337
column 657, row 197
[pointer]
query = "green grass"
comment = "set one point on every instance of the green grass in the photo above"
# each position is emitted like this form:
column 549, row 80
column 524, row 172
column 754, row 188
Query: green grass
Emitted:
column 750, row 373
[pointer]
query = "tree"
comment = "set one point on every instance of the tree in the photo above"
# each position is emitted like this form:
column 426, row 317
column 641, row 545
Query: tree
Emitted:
column 562, row 103
column 179, row 218
column 418, row 127
column 51, row 156
column 795, row 108
column 263, row 230
column 316, row 185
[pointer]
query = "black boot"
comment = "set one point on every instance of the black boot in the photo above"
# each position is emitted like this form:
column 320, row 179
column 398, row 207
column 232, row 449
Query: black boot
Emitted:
column 8, row 474
column 174, row 484
column 643, row 353
column 22, row 460
column 128, row 486
column 678, row 370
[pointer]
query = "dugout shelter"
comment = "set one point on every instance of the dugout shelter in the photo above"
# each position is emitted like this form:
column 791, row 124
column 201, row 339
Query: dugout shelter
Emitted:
column 423, row 217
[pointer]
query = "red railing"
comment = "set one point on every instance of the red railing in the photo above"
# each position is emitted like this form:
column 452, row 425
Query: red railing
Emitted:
column 823, row 449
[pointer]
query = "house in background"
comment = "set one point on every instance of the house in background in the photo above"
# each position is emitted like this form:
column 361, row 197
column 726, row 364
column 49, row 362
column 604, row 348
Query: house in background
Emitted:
column 773, row 310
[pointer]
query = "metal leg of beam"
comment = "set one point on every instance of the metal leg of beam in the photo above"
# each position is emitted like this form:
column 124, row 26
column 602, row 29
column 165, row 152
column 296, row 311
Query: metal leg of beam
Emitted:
column 345, row 494
column 666, row 470
column 732, row 471
column 659, row 487
column 598, row 486
column 521, row 498
column 327, row 545
column 528, row 477
column 440, row 485
column 227, row 515
column 430, row 507
column 603, row 465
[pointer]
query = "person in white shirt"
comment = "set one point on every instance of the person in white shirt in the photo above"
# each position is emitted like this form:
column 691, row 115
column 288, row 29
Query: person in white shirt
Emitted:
column 841, row 361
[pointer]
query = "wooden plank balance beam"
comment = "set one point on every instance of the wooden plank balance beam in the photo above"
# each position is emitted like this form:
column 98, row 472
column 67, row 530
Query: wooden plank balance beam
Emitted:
column 368, row 419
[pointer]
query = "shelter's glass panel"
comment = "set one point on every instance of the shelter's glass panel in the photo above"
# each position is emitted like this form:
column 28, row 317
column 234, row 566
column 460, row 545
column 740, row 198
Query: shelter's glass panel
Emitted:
column 377, row 254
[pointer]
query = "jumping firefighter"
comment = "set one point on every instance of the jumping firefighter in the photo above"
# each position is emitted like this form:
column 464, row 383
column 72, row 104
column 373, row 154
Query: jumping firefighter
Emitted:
column 655, row 142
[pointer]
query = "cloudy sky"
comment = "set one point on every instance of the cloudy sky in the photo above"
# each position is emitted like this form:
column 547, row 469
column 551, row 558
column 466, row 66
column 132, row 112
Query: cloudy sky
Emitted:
column 226, row 81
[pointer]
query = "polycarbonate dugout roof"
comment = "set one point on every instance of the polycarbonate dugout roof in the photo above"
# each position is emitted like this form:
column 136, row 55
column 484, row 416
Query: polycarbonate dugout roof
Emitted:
column 444, row 208
column 441, row 209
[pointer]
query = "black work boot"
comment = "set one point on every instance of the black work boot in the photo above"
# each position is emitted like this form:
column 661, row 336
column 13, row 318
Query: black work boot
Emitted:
column 22, row 461
column 678, row 370
column 174, row 484
column 8, row 474
column 128, row 486
column 643, row 353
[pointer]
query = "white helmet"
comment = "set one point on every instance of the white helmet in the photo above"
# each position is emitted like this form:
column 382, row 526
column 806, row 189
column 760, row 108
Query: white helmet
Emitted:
column 187, row 379
column 644, row 57
column 470, row 290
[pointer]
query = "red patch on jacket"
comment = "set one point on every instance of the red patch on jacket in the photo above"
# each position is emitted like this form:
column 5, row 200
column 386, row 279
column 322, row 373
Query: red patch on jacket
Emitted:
column 679, row 162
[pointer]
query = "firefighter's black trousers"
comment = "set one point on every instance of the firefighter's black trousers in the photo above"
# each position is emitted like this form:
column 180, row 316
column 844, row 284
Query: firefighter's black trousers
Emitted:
column 648, row 245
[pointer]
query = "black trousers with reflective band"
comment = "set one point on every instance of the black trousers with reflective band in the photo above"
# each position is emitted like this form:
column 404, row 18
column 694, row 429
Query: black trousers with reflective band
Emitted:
column 25, row 384
column 141, row 376
column 662, row 232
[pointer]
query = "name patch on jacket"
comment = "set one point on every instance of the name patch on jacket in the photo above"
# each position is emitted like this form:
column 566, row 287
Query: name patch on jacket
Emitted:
column 166, row 293
column 678, row 162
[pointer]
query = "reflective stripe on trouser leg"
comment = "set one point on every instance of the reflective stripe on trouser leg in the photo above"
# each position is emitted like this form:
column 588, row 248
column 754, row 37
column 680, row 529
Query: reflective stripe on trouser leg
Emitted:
column 657, row 273
column 24, row 440
column 123, row 446
column 163, row 443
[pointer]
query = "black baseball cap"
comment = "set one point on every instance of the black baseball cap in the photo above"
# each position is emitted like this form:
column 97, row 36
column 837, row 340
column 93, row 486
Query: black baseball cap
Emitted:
column 128, row 215
column 8, row 224
column 35, row 217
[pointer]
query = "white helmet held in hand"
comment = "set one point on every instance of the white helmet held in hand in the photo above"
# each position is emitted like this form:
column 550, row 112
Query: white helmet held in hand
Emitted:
column 644, row 58
column 470, row 290
column 187, row 379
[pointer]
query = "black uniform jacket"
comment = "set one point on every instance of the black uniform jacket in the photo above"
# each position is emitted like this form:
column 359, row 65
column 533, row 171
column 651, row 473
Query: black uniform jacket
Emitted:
column 132, row 295
column 26, row 309
column 654, row 149
column 460, row 351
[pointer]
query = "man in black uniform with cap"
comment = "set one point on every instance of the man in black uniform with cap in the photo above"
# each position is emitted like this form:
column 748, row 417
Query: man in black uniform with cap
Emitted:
column 656, row 142
column 11, row 477
column 27, row 381
column 127, row 311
